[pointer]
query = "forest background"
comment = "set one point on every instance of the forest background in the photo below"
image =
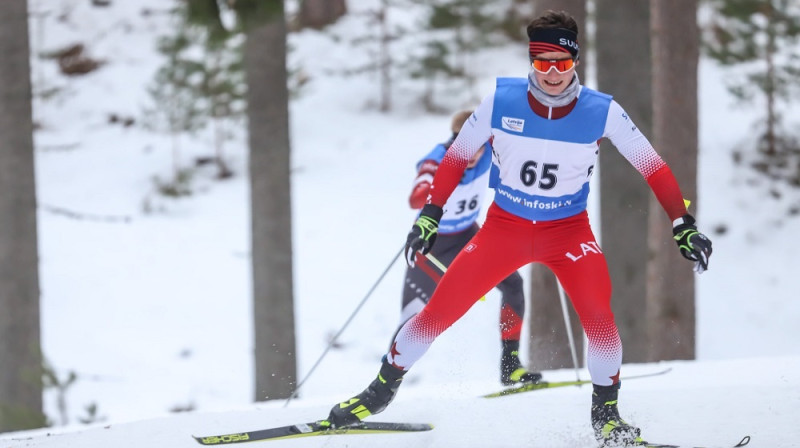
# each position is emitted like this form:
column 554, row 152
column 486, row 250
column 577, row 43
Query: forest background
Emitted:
column 192, row 157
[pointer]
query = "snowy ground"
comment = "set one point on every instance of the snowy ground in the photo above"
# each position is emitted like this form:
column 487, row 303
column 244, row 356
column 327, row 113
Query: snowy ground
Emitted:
column 709, row 403
column 153, row 315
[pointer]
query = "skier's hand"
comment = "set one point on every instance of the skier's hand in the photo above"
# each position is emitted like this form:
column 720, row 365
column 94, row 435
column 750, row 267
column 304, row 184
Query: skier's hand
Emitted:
column 693, row 245
column 423, row 233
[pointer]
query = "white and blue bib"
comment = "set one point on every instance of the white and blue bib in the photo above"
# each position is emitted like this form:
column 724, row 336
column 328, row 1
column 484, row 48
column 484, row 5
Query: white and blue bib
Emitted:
column 543, row 166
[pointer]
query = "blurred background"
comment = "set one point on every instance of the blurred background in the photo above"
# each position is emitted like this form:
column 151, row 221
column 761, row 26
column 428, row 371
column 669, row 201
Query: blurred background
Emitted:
column 196, row 195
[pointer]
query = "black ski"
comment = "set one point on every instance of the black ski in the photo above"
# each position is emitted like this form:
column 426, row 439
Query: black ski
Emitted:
column 318, row 428
column 743, row 442
column 527, row 387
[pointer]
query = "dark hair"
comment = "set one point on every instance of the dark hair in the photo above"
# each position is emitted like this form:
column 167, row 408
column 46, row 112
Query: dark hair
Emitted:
column 553, row 19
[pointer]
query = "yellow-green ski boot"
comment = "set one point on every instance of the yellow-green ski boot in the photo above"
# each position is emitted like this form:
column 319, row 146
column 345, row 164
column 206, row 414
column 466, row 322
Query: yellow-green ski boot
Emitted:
column 511, row 369
column 374, row 399
column 609, row 428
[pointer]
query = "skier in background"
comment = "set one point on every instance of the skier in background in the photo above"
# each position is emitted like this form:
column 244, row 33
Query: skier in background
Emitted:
column 544, row 131
column 457, row 226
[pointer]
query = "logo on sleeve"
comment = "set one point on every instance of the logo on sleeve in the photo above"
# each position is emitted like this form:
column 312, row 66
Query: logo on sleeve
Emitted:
column 513, row 124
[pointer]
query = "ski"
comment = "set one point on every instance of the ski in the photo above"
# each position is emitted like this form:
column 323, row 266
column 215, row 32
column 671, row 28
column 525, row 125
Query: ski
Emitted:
column 318, row 428
column 526, row 387
column 743, row 442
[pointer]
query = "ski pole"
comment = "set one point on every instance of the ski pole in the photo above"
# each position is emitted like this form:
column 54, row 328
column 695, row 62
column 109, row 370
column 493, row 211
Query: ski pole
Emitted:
column 341, row 330
column 568, row 323
column 436, row 262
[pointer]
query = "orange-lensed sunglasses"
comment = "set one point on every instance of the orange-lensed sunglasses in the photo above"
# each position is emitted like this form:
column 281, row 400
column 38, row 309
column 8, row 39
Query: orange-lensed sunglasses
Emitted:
column 545, row 65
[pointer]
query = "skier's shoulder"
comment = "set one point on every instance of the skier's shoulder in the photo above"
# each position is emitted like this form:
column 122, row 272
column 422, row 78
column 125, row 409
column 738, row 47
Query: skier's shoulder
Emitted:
column 505, row 82
column 592, row 93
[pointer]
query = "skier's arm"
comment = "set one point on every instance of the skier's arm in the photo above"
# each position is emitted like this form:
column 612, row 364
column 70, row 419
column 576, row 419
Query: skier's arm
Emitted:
column 630, row 142
column 635, row 147
column 422, row 184
column 475, row 132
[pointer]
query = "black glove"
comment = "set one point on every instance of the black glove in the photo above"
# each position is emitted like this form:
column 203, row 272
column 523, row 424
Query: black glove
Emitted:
column 423, row 234
column 693, row 245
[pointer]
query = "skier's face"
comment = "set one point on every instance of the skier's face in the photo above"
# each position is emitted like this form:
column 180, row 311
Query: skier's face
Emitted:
column 559, row 73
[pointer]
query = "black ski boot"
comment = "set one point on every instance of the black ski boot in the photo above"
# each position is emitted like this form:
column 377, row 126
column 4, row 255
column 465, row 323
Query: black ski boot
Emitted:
column 372, row 400
column 609, row 428
column 511, row 369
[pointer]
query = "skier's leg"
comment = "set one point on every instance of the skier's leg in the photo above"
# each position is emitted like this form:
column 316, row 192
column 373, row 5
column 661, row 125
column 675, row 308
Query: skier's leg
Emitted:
column 418, row 286
column 512, row 309
column 512, row 312
column 421, row 279
column 572, row 253
column 486, row 259
column 583, row 272
column 495, row 252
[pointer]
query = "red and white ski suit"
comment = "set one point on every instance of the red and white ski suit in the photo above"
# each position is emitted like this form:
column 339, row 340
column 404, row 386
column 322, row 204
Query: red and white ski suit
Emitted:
column 544, row 158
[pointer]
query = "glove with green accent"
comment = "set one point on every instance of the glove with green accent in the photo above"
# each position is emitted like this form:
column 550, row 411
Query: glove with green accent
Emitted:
column 693, row 245
column 423, row 234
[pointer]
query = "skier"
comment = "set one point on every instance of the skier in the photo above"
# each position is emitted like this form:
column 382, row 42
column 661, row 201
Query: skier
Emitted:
column 544, row 131
column 457, row 226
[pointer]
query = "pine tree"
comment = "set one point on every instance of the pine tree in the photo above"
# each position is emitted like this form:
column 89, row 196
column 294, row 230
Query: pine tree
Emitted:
column 200, row 86
column 381, row 59
column 455, row 30
column 443, row 47
column 20, row 340
column 260, row 29
column 275, row 347
column 222, row 87
column 760, row 39
column 669, row 304
column 175, row 109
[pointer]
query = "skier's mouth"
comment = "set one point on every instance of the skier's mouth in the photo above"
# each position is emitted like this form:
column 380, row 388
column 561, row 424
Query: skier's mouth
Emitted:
column 551, row 83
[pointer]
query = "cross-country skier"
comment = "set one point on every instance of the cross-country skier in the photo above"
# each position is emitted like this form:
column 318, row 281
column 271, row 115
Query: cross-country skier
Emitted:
column 456, row 227
column 544, row 131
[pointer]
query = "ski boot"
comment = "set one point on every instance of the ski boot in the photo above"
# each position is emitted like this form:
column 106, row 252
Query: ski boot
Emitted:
column 372, row 400
column 609, row 428
column 511, row 369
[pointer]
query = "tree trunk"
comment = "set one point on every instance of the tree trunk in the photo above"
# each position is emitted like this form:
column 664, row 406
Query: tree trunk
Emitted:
column 670, row 281
column 385, row 57
column 20, row 353
column 268, row 126
column 770, row 85
column 319, row 13
column 624, row 195
column 549, row 347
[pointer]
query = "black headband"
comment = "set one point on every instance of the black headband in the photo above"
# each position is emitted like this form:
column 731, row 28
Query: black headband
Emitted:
column 546, row 40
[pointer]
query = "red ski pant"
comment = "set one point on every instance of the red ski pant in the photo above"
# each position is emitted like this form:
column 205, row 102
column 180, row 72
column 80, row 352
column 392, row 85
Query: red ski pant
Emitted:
column 505, row 243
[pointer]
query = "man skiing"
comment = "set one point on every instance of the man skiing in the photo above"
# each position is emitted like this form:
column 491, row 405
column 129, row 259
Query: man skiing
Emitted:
column 456, row 227
column 545, row 131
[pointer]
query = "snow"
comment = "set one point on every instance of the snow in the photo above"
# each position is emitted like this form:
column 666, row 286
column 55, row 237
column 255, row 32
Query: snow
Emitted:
column 147, row 299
